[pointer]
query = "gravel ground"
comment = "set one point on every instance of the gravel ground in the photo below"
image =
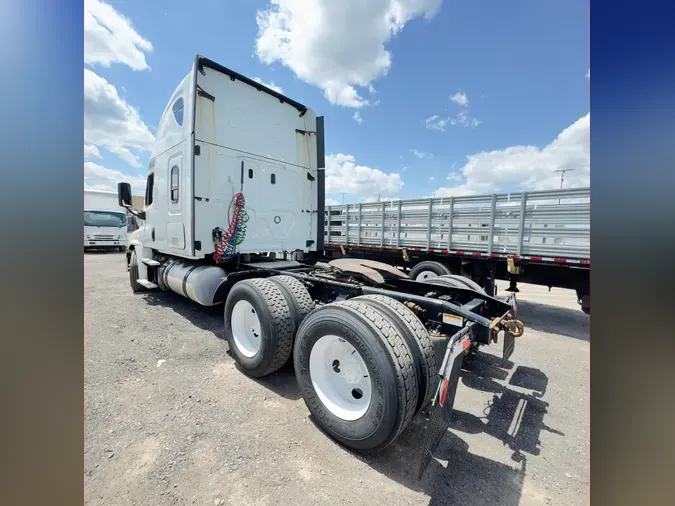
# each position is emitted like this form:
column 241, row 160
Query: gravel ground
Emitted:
column 170, row 420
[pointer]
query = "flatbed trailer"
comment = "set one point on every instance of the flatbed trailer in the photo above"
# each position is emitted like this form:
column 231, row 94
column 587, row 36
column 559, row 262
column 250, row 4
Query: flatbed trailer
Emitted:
column 539, row 237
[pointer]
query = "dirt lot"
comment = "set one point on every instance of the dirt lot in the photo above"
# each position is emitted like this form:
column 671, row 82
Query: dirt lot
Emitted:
column 170, row 420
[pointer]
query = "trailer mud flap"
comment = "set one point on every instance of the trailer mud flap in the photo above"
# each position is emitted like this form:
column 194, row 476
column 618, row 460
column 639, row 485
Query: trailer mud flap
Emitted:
column 509, row 346
column 441, row 410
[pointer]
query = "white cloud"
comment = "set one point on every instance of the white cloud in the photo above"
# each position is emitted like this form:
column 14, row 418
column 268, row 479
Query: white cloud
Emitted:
column 343, row 175
column 377, row 198
column 460, row 99
column 109, row 38
column 270, row 85
column 332, row 202
column 337, row 46
column 112, row 123
column 357, row 117
column 588, row 74
column 421, row 154
column 436, row 123
column 91, row 152
column 432, row 178
column 97, row 177
column 528, row 167
column 454, row 176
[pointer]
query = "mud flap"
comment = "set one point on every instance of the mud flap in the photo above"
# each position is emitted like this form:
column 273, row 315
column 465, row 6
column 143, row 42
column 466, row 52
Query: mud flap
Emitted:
column 509, row 339
column 509, row 346
column 441, row 410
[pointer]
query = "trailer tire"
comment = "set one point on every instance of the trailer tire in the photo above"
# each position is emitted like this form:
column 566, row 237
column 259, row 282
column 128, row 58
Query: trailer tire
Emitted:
column 297, row 296
column 417, row 338
column 258, row 326
column 364, row 416
column 469, row 283
column 428, row 270
column 443, row 281
column 133, row 273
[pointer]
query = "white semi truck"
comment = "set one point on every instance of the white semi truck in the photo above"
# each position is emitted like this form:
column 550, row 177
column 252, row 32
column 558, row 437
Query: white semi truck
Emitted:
column 236, row 175
column 105, row 221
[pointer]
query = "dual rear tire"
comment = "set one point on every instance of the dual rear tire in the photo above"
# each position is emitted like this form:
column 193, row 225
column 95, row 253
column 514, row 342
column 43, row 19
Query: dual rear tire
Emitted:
column 364, row 366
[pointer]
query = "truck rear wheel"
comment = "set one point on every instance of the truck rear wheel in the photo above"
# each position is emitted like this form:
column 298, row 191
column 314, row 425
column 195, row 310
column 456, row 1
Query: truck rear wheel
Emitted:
column 133, row 273
column 469, row 283
column 426, row 270
column 258, row 326
column 356, row 374
column 297, row 296
column 416, row 336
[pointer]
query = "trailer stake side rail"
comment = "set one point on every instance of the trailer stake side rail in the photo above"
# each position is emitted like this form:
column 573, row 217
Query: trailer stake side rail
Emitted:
column 538, row 226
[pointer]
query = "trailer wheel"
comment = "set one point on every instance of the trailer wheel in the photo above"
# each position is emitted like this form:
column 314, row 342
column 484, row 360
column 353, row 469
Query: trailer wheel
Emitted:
column 356, row 374
column 133, row 273
column 417, row 338
column 426, row 270
column 258, row 326
column 469, row 283
column 443, row 281
column 297, row 296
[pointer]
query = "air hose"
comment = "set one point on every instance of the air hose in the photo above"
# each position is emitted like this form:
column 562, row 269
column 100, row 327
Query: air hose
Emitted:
column 226, row 241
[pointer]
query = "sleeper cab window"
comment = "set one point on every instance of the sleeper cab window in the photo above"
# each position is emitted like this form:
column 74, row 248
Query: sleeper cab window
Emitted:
column 174, row 184
column 178, row 111
column 149, row 188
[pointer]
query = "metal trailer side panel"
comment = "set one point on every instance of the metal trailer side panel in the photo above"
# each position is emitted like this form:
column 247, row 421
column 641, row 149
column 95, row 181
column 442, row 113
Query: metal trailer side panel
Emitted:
column 548, row 224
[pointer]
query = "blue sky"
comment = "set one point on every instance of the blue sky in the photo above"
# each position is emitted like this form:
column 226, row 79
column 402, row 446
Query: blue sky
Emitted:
column 420, row 97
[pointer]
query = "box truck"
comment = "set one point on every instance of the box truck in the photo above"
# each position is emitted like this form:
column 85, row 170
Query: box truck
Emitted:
column 105, row 221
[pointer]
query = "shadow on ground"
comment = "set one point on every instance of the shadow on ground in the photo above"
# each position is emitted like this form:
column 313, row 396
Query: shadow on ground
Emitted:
column 205, row 318
column 554, row 319
column 281, row 382
column 511, row 416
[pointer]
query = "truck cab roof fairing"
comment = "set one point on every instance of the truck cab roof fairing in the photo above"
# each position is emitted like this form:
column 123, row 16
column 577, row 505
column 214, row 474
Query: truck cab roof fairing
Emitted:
column 201, row 62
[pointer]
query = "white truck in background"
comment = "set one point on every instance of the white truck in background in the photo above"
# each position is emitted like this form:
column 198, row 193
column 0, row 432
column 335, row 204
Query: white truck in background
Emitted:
column 105, row 221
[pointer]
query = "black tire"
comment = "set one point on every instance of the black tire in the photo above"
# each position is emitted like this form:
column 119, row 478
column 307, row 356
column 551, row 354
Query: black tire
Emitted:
column 469, row 283
column 297, row 296
column 390, row 366
column 436, row 267
column 276, row 326
column 133, row 274
column 443, row 281
column 417, row 338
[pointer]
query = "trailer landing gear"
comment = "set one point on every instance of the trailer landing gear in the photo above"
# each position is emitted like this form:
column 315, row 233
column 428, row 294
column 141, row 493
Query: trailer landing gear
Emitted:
column 513, row 286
